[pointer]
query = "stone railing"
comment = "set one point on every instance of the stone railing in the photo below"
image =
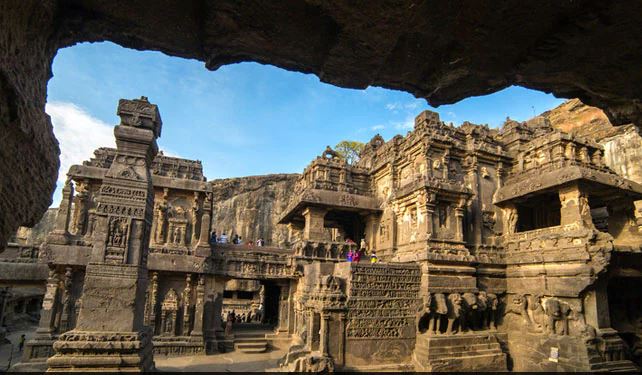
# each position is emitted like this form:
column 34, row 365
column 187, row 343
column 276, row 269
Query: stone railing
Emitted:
column 17, row 253
column 322, row 250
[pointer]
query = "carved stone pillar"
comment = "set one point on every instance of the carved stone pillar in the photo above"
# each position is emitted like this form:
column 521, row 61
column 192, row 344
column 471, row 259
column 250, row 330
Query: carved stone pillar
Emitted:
column 187, row 300
column 323, row 333
column 196, row 209
column 60, row 234
column 459, row 220
column 314, row 222
column 197, row 331
column 203, row 247
column 49, row 305
column 113, row 299
column 575, row 207
column 150, row 314
column 67, row 307
column 80, row 209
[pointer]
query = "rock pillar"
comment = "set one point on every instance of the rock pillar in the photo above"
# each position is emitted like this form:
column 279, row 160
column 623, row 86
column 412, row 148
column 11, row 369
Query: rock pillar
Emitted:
column 110, row 334
column 575, row 207
column 314, row 220
column 60, row 234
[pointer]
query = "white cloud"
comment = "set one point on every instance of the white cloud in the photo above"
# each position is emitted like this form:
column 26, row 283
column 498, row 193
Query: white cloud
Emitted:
column 78, row 133
column 451, row 114
column 393, row 106
column 408, row 124
column 378, row 127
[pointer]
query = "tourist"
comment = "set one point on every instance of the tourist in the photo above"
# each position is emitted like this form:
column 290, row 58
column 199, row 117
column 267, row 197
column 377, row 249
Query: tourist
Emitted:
column 223, row 238
column 362, row 245
column 373, row 257
column 213, row 238
column 350, row 255
column 21, row 343
column 235, row 239
column 239, row 241
column 356, row 256
column 228, row 324
column 249, row 244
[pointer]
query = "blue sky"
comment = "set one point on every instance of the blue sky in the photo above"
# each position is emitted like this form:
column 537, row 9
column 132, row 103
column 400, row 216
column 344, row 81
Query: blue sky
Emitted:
column 243, row 119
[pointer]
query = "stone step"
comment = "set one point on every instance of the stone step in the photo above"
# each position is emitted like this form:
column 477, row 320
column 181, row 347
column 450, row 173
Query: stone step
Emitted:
column 615, row 366
column 251, row 347
column 249, row 339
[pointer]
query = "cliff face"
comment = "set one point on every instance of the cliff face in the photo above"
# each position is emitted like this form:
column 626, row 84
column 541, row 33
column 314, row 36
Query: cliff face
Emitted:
column 250, row 206
column 36, row 235
column 622, row 145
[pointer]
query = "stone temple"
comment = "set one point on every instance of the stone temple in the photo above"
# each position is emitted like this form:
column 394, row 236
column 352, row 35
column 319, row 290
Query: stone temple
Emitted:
column 517, row 249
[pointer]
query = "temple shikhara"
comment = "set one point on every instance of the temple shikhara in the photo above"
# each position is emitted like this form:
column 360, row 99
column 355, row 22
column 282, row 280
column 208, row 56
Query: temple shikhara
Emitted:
column 518, row 248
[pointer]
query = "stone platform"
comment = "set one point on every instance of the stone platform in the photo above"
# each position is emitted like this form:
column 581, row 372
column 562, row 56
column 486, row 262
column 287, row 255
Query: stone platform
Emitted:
column 460, row 352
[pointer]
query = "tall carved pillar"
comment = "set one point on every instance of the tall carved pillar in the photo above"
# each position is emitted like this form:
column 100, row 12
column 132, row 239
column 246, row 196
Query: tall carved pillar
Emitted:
column 203, row 247
column 66, row 308
column 110, row 334
column 47, row 325
column 187, row 300
column 323, row 334
column 150, row 314
column 80, row 209
column 459, row 220
column 61, row 232
column 196, row 209
column 314, row 221
column 197, row 330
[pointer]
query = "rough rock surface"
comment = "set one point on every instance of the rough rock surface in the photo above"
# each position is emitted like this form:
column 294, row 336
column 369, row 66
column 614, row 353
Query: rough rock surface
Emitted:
column 622, row 144
column 251, row 206
column 441, row 50
column 36, row 235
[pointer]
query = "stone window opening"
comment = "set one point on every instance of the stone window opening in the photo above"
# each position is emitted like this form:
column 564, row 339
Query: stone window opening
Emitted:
column 541, row 211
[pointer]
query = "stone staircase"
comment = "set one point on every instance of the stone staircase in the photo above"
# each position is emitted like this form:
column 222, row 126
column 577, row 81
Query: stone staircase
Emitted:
column 250, row 342
column 464, row 352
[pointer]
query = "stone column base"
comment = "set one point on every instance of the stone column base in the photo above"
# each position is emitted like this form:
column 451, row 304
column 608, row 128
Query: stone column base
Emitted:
column 82, row 351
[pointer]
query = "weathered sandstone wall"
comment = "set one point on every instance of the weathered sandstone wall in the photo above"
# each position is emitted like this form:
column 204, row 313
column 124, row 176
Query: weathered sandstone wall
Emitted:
column 622, row 144
column 250, row 206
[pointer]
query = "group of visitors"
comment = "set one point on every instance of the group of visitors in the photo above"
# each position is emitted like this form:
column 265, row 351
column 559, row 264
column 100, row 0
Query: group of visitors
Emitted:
column 358, row 255
column 250, row 317
column 236, row 240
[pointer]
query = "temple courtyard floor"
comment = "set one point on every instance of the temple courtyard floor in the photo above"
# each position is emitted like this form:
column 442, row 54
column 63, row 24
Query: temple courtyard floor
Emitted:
column 233, row 362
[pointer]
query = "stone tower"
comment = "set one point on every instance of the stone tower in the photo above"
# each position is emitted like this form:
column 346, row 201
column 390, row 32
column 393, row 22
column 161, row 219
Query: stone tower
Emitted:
column 110, row 334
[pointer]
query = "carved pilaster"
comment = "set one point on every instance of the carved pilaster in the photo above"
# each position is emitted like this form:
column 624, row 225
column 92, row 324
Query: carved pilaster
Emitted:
column 197, row 331
column 187, row 299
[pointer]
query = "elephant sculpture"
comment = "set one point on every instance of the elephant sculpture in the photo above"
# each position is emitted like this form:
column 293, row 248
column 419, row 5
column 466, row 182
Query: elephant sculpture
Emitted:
column 492, row 307
column 470, row 310
column 423, row 315
column 455, row 313
column 482, row 311
column 439, row 309
column 555, row 311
